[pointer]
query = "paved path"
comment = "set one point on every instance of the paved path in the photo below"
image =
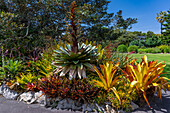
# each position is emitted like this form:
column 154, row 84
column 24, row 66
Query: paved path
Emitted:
column 13, row 106
column 159, row 106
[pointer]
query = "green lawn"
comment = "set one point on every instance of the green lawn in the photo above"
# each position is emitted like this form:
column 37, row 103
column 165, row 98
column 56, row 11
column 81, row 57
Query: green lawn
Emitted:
column 159, row 58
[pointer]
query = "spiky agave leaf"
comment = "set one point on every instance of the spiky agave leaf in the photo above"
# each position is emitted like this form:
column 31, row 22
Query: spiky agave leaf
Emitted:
column 75, row 64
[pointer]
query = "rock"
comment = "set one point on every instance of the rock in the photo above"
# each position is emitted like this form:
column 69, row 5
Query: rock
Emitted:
column 86, row 107
column 38, row 98
column 100, row 108
column 134, row 106
column 26, row 97
column 109, row 109
column 65, row 104
column 76, row 106
column 2, row 88
column 48, row 101
column 9, row 94
column 108, row 103
column 121, row 111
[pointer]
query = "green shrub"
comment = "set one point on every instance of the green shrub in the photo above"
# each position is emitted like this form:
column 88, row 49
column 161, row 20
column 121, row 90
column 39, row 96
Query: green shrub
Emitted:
column 156, row 50
column 134, row 42
column 122, row 48
column 141, row 51
column 148, row 50
column 123, row 87
column 162, row 47
column 10, row 69
column 133, row 48
column 137, row 43
column 166, row 50
column 153, row 41
column 143, row 47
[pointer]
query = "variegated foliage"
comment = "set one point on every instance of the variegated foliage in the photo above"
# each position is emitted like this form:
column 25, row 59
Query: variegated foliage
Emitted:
column 107, row 77
column 75, row 64
column 145, row 75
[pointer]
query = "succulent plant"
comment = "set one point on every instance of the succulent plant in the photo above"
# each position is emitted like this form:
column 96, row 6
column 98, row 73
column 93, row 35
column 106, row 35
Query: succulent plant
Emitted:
column 73, row 63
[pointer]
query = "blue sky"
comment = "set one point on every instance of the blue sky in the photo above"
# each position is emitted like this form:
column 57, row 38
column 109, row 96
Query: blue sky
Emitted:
column 144, row 10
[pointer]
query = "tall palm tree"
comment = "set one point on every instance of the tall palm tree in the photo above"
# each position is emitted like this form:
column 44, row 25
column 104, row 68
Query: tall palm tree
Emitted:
column 160, row 18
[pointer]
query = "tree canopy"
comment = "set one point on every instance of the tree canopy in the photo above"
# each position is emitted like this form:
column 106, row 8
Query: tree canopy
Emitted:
column 166, row 28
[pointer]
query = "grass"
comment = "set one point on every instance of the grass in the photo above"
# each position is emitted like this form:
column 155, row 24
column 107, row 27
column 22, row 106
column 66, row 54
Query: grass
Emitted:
column 159, row 58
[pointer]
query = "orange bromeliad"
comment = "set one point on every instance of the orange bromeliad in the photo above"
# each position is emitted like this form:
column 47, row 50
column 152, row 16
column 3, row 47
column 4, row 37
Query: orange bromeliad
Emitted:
column 144, row 75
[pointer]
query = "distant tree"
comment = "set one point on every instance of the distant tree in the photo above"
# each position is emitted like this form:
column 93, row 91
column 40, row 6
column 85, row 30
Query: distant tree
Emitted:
column 149, row 34
column 139, row 33
column 120, row 22
column 125, row 37
column 153, row 41
column 41, row 19
column 166, row 28
column 160, row 18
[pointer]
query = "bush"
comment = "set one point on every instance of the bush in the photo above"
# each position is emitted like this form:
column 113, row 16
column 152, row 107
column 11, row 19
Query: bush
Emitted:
column 162, row 47
column 149, row 50
column 123, row 87
column 141, row 51
column 122, row 48
column 156, row 50
column 75, row 89
column 139, row 43
column 143, row 47
column 134, row 42
column 166, row 50
column 153, row 41
column 133, row 48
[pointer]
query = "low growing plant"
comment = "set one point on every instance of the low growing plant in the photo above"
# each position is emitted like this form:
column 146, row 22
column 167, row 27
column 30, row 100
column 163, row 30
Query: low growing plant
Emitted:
column 133, row 48
column 73, row 63
column 107, row 78
column 75, row 89
column 122, row 48
column 126, row 97
column 10, row 69
column 162, row 47
column 145, row 75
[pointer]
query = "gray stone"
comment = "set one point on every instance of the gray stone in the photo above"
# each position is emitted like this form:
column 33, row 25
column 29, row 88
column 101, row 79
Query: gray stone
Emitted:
column 48, row 101
column 108, row 103
column 26, row 97
column 86, row 107
column 109, row 109
column 38, row 98
column 134, row 106
column 2, row 88
column 121, row 111
column 9, row 94
column 100, row 108
column 65, row 104
column 76, row 106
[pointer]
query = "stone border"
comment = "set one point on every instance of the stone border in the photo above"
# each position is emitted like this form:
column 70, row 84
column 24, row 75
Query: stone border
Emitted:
column 57, row 103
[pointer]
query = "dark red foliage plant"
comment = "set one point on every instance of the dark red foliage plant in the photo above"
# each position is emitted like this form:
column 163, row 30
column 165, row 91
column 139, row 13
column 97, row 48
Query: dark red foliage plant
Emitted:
column 75, row 89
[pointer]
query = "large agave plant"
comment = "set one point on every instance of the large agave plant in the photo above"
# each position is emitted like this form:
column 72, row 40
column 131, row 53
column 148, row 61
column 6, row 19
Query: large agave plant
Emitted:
column 75, row 64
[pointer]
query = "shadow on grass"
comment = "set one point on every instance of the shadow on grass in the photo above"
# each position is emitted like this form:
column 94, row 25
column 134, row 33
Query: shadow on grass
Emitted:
column 157, row 106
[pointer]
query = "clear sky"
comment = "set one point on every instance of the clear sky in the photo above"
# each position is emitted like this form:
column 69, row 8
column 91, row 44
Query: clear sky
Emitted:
column 144, row 10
